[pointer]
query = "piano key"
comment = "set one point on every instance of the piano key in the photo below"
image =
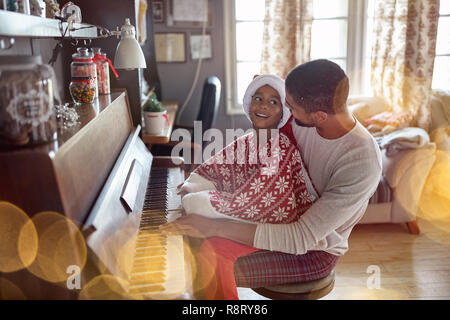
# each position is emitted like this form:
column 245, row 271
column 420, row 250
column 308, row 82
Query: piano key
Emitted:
column 148, row 263
column 147, row 281
column 148, row 219
column 153, row 243
column 148, row 227
column 160, row 216
column 151, row 276
column 142, row 290
column 151, row 266
column 146, row 234
column 153, row 222
column 150, row 252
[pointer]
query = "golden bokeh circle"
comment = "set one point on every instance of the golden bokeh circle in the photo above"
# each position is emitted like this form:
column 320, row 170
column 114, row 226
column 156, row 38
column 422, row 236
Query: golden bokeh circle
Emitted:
column 434, row 205
column 61, row 245
column 104, row 287
column 18, row 239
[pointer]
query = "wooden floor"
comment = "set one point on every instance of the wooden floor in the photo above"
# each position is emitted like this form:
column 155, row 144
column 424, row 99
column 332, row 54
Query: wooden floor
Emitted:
column 411, row 266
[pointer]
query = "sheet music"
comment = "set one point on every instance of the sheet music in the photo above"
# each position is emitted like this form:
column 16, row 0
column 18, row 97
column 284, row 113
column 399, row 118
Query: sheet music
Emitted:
column 189, row 10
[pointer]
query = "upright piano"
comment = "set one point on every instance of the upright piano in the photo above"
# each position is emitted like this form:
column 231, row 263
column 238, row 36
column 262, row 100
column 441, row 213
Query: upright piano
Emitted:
column 100, row 177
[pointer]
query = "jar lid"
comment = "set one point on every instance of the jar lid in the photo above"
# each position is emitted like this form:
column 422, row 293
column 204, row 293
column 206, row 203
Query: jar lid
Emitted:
column 83, row 53
column 99, row 51
column 10, row 60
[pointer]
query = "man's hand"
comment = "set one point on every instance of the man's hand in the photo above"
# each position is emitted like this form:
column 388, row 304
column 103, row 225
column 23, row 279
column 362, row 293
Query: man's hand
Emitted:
column 196, row 226
column 191, row 225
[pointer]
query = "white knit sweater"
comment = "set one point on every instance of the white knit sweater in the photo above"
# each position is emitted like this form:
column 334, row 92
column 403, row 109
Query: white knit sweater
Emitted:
column 346, row 172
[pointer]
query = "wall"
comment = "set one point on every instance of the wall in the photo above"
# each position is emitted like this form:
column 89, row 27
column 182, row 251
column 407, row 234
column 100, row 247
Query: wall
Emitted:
column 177, row 78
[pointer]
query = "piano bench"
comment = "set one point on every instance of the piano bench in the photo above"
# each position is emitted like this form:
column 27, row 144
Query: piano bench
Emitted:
column 308, row 290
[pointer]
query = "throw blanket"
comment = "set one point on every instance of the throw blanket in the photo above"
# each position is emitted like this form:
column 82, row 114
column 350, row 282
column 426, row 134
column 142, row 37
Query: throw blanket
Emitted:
column 407, row 138
column 265, row 184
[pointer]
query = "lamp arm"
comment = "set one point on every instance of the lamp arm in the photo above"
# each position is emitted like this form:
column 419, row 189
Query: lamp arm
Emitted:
column 102, row 32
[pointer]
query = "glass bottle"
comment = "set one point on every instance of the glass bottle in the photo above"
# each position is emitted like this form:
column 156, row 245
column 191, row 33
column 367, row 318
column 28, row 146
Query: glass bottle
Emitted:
column 102, row 71
column 83, row 69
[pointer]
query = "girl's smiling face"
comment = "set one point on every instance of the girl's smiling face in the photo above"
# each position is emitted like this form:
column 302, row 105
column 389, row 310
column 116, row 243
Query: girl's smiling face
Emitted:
column 266, row 109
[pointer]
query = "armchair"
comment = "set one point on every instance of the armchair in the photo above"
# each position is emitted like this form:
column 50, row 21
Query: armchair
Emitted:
column 405, row 172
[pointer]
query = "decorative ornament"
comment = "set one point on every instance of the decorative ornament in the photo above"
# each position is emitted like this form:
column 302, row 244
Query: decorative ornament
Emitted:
column 51, row 8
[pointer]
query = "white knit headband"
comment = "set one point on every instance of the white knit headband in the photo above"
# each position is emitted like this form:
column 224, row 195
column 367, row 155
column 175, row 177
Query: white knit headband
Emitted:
column 275, row 82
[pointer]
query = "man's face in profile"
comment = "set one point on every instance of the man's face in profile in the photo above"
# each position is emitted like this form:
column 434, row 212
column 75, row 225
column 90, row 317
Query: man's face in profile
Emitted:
column 301, row 117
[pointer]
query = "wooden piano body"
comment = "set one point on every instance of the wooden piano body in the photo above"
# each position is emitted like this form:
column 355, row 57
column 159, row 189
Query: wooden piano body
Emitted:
column 96, row 175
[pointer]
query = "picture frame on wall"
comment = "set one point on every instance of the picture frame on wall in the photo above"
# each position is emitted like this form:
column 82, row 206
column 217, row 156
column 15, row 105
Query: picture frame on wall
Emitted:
column 188, row 20
column 201, row 46
column 158, row 11
column 170, row 47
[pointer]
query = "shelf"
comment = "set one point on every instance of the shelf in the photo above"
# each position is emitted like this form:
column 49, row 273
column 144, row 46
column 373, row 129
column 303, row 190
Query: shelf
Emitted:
column 89, row 112
column 15, row 24
column 164, row 137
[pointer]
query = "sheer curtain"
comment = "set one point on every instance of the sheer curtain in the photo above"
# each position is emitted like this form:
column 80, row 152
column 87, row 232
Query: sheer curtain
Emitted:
column 287, row 35
column 403, row 51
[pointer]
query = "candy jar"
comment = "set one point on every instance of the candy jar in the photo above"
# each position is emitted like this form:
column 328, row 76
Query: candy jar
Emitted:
column 83, row 87
column 26, row 101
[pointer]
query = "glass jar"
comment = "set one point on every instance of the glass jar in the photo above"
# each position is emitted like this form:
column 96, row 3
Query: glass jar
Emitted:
column 26, row 101
column 102, row 71
column 83, row 89
column 83, row 69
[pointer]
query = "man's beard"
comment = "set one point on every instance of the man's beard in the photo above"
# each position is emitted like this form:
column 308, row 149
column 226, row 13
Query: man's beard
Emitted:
column 302, row 124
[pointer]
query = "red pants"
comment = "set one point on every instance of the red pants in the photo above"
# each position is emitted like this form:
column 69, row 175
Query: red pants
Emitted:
column 224, row 264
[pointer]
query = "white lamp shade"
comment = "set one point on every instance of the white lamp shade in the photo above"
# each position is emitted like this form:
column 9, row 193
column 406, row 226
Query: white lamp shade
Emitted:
column 129, row 55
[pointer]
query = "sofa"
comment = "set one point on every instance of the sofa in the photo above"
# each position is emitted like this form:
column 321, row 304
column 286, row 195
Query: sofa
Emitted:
column 405, row 171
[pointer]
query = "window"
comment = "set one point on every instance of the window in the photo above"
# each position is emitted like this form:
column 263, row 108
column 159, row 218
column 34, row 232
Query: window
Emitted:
column 244, row 22
column 329, row 31
column 341, row 31
column 441, row 74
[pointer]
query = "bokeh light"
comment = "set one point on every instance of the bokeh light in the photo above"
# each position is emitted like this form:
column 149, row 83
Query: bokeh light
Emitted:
column 104, row 287
column 434, row 204
column 60, row 245
column 18, row 239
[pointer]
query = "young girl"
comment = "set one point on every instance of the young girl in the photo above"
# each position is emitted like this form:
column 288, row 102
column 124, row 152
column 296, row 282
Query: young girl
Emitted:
column 260, row 177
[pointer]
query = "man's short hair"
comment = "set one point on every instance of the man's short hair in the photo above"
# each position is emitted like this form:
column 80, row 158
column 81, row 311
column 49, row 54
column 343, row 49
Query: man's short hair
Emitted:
column 319, row 85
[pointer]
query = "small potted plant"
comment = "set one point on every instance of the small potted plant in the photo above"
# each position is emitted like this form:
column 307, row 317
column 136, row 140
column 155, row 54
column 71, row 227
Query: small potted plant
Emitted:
column 155, row 117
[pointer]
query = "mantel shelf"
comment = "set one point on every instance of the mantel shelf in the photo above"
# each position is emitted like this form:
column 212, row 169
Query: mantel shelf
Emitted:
column 15, row 24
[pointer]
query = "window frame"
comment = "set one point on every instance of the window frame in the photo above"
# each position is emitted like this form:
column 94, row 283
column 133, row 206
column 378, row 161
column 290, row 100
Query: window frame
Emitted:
column 446, row 15
column 356, row 31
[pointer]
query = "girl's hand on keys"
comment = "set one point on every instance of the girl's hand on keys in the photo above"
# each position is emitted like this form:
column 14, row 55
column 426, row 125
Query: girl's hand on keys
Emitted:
column 179, row 189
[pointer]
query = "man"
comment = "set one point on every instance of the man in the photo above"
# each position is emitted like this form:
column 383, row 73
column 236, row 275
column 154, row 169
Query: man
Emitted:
column 344, row 163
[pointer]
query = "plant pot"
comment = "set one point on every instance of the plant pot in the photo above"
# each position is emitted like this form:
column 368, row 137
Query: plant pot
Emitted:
column 155, row 122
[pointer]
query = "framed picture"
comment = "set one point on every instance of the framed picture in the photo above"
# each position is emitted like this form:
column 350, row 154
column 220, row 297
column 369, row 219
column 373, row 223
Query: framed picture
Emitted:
column 158, row 11
column 201, row 46
column 170, row 47
column 188, row 13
